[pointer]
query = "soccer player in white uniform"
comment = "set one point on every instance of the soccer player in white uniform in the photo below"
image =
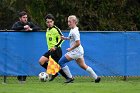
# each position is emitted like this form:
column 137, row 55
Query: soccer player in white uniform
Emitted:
column 75, row 51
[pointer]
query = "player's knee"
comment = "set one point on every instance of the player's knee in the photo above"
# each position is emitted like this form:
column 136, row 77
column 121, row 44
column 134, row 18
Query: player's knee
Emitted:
column 61, row 65
column 62, row 61
column 41, row 62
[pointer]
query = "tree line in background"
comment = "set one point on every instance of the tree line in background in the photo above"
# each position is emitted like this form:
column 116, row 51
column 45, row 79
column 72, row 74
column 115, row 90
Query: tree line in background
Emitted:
column 94, row 15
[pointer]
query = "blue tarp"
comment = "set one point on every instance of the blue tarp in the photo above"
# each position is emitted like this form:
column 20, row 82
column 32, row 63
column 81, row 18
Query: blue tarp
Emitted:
column 108, row 53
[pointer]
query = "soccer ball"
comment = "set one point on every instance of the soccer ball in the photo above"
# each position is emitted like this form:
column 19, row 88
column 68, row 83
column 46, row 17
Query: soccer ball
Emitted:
column 43, row 76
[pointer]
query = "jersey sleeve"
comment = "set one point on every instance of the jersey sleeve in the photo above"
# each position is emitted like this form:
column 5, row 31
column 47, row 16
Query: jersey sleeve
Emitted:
column 76, row 35
column 58, row 37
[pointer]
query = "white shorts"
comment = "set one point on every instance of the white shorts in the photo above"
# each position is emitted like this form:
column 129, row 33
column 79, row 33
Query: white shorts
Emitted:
column 74, row 54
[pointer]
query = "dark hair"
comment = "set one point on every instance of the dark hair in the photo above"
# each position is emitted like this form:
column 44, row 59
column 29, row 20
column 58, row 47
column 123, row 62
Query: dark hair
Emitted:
column 22, row 13
column 49, row 16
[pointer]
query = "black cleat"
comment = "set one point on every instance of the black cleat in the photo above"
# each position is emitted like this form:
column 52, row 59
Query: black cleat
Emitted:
column 97, row 80
column 53, row 77
column 69, row 80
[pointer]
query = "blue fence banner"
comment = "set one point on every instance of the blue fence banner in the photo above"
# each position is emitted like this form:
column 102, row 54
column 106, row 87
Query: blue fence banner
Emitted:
column 108, row 53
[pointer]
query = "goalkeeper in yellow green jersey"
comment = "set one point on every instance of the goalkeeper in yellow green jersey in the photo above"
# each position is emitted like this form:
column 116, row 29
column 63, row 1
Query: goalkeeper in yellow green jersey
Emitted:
column 53, row 38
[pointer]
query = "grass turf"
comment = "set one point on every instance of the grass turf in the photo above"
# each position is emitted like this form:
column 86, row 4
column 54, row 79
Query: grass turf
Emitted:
column 80, row 85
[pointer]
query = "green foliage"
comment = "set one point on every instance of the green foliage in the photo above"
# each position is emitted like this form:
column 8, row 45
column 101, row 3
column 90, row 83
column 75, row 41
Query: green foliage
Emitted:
column 97, row 15
column 36, row 10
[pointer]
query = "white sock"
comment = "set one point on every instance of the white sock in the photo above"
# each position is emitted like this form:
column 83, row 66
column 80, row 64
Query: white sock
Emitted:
column 67, row 71
column 92, row 73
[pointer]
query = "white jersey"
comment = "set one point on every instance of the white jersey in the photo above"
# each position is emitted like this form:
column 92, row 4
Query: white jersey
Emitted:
column 78, row 52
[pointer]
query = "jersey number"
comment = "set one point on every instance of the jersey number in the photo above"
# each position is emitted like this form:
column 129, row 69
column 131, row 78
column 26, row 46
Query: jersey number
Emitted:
column 50, row 38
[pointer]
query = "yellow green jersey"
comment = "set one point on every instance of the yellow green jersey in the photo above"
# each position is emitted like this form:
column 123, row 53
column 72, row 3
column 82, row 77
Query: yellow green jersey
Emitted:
column 53, row 37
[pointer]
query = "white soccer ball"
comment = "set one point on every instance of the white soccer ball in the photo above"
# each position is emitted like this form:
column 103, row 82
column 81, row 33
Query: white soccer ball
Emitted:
column 43, row 76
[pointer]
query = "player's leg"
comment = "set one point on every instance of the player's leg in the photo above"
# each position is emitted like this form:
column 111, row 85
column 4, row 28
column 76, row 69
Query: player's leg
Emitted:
column 56, row 55
column 65, row 68
column 81, row 63
column 43, row 61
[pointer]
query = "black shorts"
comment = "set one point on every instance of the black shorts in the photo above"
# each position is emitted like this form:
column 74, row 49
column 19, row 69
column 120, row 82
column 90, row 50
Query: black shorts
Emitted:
column 56, row 55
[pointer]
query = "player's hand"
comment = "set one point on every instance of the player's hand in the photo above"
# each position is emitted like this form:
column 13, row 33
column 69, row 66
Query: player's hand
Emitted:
column 62, row 37
column 68, row 49
column 53, row 49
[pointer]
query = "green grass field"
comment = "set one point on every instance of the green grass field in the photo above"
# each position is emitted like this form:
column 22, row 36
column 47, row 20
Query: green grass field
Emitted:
column 80, row 85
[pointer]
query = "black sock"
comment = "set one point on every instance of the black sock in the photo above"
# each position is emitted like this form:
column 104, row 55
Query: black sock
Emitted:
column 21, row 78
column 63, row 74
column 45, row 65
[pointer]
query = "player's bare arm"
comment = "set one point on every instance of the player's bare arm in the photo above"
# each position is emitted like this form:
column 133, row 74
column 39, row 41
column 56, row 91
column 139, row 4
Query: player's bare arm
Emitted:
column 65, row 38
column 77, row 43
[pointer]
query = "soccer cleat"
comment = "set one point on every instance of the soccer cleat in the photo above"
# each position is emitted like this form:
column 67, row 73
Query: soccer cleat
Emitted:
column 69, row 80
column 97, row 80
column 53, row 77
